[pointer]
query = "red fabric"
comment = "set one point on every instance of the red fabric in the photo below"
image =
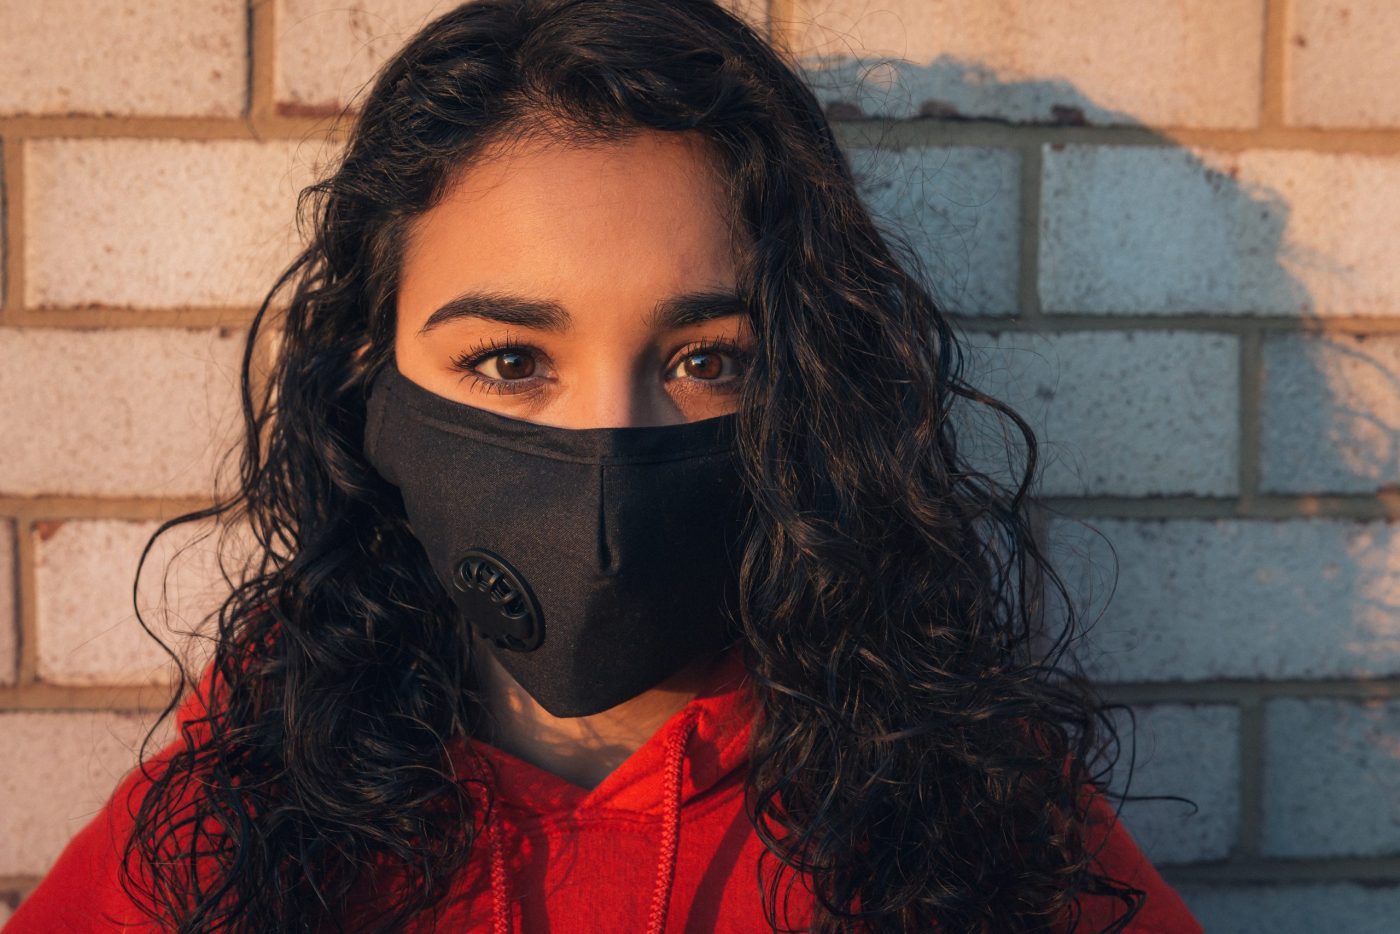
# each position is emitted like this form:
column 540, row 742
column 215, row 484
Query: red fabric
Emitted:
column 662, row 844
column 82, row 891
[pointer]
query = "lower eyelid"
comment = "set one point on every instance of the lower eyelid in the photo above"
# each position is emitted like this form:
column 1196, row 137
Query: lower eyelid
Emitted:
column 501, row 387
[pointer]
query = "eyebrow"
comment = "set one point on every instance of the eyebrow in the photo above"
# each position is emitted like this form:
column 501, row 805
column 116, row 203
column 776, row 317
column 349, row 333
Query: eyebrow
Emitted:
column 675, row 311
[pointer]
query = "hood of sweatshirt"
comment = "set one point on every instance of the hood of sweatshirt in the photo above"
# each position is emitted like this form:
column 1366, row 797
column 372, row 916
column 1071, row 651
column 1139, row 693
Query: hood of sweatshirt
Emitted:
column 699, row 747
column 679, row 794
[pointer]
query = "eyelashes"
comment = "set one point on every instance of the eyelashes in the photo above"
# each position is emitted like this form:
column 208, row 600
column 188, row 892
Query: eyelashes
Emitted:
column 468, row 363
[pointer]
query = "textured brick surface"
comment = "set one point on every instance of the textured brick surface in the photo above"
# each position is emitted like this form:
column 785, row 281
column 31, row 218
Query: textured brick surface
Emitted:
column 87, row 630
column 961, row 210
column 1344, row 66
column 9, row 609
column 1199, row 599
column 1192, row 752
column 1119, row 62
column 328, row 51
column 1330, row 413
column 129, row 57
column 97, row 418
column 1303, row 909
column 1133, row 413
column 1331, row 781
column 160, row 223
column 115, row 412
column 6, row 153
column 754, row 11
column 58, row 771
column 1161, row 230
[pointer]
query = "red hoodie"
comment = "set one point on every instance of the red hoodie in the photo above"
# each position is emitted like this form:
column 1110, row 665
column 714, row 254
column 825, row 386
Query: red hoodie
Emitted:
column 662, row 844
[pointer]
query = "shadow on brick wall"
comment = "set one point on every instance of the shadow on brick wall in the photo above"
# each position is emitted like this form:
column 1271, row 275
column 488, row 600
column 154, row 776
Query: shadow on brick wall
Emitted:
column 1210, row 560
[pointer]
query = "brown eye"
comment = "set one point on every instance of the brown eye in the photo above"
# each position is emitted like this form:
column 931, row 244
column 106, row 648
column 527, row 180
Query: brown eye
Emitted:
column 704, row 365
column 711, row 365
column 503, row 366
column 514, row 365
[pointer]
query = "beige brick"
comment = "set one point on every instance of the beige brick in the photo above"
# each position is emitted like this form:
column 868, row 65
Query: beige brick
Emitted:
column 1294, row 909
column 1200, row 599
column 1344, row 63
column 755, row 12
column 58, row 771
column 9, row 607
column 5, row 205
column 1174, row 63
column 167, row 58
column 1131, row 414
column 87, row 630
column 328, row 51
column 1330, row 413
column 116, row 412
column 1162, row 230
column 960, row 207
column 161, row 223
column 1189, row 750
column 1331, row 787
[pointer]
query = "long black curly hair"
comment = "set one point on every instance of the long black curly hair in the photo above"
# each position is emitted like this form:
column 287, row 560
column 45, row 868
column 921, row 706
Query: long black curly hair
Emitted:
column 922, row 741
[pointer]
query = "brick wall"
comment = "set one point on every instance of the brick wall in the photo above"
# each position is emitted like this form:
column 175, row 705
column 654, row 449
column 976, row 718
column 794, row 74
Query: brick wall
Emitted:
column 1166, row 230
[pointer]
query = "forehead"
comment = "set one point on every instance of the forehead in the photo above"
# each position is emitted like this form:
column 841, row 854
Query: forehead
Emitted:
column 624, row 220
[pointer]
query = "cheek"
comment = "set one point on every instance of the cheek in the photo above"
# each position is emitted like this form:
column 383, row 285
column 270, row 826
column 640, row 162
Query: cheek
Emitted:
column 700, row 405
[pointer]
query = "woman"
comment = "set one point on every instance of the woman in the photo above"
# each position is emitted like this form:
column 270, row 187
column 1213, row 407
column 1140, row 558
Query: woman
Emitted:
column 618, row 567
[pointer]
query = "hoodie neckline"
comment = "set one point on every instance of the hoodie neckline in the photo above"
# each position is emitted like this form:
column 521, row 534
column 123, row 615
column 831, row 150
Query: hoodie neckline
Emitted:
column 717, row 720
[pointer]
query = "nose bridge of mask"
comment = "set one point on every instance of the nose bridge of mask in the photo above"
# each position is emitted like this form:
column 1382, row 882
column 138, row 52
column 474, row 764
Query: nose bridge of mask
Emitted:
column 627, row 445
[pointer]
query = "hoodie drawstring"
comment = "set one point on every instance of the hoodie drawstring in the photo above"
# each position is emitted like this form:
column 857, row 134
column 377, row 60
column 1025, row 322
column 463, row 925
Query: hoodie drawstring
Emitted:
column 500, row 905
column 671, row 824
column 666, row 856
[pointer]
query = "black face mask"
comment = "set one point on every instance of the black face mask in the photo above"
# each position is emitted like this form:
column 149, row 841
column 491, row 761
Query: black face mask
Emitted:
column 596, row 562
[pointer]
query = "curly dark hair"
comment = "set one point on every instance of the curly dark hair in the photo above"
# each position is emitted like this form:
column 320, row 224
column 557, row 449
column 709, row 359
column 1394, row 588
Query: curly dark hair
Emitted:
column 922, row 740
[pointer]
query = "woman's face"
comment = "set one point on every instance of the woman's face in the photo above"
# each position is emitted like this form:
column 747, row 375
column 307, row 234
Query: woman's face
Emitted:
column 578, row 287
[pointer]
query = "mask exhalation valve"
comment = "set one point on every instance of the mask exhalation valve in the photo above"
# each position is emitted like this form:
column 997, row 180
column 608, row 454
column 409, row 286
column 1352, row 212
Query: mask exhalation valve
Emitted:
column 496, row 600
